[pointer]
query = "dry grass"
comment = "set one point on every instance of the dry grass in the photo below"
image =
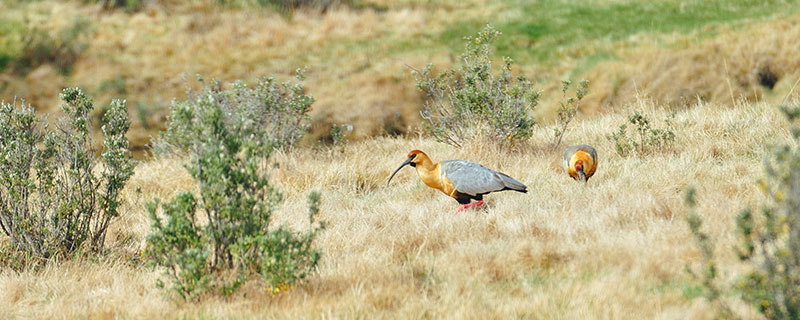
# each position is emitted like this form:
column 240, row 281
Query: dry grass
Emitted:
column 357, row 58
column 615, row 248
column 351, row 72
column 721, row 69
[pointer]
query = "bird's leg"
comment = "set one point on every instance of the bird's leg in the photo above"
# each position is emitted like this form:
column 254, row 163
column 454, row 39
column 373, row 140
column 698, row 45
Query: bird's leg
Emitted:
column 469, row 205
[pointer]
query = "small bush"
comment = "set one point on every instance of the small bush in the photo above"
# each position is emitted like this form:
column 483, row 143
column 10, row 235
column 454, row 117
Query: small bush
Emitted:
column 568, row 109
column 471, row 101
column 279, row 111
column 53, row 201
column 708, row 271
column 645, row 139
column 127, row 5
column 286, row 7
column 62, row 50
column 229, row 160
column 772, row 244
column 339, row 137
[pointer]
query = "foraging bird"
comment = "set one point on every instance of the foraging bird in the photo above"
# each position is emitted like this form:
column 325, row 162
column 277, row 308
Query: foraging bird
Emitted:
column 463, row 180
column 580, row 162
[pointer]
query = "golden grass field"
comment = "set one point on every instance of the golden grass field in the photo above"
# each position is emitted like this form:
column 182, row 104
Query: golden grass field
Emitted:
column 615, row 248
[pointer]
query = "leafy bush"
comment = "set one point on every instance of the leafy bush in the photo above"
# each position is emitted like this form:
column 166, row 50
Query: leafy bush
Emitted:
column 471, row 101
column 127, row 5
column 229, row 160
column 63, row 50
column 280, row 111
column 708, row 274
column 339, row 137
column 645, row 139
column 772, row 244
column 287, row 6
column 568, row 109
column 52, row 200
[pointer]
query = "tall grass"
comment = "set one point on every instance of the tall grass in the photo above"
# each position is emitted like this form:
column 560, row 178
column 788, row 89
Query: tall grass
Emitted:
column 616, row 248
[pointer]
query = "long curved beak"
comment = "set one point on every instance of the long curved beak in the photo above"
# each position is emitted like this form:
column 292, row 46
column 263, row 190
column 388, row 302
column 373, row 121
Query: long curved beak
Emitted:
column 408, row 161
column 582, row 175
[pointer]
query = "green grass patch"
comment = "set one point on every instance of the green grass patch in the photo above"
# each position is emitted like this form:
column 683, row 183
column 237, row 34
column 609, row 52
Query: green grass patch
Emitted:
column 541, row 29
column 10, row 42
column 688, row 291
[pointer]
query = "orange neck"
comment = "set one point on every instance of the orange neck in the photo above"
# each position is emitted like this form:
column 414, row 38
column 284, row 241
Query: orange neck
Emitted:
column 428, row 171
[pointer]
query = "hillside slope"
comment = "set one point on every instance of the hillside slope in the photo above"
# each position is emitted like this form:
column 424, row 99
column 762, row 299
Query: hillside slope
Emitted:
column 614, row 248
column 358, row 58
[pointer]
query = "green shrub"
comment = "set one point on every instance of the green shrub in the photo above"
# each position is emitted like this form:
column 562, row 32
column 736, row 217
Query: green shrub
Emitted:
column 568, row 108
column 53, row 201
column 286, row 7
column 278, row 111
column 472, row 101
column 772, row 244
column 339, row 137
column 127, row 5
column 229, row 160
column 644, row 139
column 62, row 50
column 707, row 276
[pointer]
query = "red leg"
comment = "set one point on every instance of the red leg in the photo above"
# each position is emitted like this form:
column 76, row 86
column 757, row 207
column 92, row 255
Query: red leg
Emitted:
column 469, row 205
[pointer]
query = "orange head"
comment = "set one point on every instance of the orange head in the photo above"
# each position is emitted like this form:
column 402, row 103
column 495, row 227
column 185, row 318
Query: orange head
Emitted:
column 415, row 157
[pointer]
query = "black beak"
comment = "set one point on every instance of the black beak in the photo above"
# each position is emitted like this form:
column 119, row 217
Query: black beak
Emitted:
column 408, row 161
column 582, row 175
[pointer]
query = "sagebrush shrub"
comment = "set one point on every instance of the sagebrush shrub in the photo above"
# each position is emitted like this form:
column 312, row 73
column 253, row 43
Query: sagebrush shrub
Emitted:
column 339, row 137
column 473, row 101
column 127, row 5
column 53, row 200
column 568, row 108
column 229, row 160
column 771, row 244
column 645, row 139
column 286, row 7
column 707, row 276
column 279, row 111
column 62, row 49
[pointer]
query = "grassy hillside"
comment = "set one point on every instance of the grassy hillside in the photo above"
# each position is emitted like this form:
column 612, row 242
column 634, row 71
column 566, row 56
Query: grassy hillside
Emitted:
column 614, row 248
column 617, row 247
column 358, row 56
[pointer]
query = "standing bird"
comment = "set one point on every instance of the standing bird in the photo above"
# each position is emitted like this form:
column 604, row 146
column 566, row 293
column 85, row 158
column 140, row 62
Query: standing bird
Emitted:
column 580, row 162
column 463, row 180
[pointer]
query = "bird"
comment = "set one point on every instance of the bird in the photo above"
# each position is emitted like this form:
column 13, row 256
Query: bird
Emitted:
column 580, row 162
column 460, row 179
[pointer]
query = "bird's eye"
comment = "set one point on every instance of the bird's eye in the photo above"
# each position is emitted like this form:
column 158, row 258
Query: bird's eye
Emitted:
column 413, row 164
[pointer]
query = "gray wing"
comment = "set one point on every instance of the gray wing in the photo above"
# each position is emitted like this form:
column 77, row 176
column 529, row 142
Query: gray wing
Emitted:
column 472, row 178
